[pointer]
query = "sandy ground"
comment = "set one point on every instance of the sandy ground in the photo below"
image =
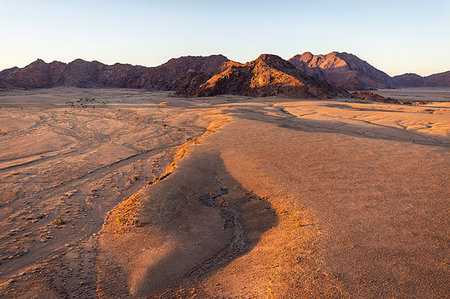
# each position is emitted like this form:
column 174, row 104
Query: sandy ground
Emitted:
column 428, row 94
column 124, row 193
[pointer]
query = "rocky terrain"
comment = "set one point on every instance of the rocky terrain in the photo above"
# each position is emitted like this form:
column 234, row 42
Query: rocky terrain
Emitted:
column 268, row 75
column 347, row 71
column 343, row 69
column 301, row 76
column 414, row 80
column 80, row 73
column 409, row 80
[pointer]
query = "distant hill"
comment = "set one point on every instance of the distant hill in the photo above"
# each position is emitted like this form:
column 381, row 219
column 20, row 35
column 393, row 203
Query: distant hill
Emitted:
column 342, row 69
column 268, row 75
column 408, row 80
column 80, row 73
column 414, row 80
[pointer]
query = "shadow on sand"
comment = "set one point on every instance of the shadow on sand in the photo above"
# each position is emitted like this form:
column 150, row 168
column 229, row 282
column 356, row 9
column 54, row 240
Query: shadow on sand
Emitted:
column 208, row 219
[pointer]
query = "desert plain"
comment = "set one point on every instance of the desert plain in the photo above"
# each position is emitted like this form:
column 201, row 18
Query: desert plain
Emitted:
column 119, row 193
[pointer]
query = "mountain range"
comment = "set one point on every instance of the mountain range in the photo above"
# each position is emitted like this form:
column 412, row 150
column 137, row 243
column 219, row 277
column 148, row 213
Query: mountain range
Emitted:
column 80, row 73
column 303, row 75
column 268, row 75
column 414, row 80
column 352, row 73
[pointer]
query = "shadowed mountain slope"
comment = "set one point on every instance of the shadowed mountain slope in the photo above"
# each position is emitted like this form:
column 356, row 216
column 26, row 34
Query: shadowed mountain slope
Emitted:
column 80, row 73
column 414, row 80
column 409, row 79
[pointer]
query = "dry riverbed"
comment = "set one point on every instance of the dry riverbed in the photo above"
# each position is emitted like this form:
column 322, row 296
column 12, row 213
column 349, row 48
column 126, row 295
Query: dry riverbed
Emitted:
column 131, row 193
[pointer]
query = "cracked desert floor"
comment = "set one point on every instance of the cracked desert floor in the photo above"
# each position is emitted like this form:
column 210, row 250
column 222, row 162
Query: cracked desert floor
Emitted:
column 119, row 193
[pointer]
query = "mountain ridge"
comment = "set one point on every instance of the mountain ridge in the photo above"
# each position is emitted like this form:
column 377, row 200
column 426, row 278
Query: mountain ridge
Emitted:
column 187, row 73
column 414, row 80
column 343, row 69
column 348, row 71
column 81, row 73
column 268, row 75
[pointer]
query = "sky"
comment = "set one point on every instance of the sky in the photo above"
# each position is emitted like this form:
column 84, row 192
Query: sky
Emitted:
column 394, row 36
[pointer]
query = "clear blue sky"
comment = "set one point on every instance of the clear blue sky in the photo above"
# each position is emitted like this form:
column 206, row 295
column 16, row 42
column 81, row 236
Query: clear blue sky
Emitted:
column 395, row 36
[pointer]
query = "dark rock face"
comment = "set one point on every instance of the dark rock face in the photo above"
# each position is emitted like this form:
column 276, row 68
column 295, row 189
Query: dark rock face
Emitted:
column 35, row 75
column 175, row 71
column 269, row 75
column 408, row 80
column 343, row 69
column 121, row 75
column 414, row 80
column 438, row 80
column 80, row 73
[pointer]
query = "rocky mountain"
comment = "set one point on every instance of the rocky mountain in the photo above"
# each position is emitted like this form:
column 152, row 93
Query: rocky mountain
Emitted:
column 414, row 80
column 268, row 75
column 408, row 80
column 438, row 80
column 80, row 73
column 175, row 72
column 352, row 73
column 215, row 74
column 343, row 69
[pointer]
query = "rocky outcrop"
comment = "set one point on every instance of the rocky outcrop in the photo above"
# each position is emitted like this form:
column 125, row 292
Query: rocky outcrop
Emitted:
column 373, row 97
column 80, row 73
column 342, row 69
column 269, row 75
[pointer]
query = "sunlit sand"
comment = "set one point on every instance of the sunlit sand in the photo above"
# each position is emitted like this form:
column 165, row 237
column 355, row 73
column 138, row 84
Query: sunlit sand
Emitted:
column 117, row 193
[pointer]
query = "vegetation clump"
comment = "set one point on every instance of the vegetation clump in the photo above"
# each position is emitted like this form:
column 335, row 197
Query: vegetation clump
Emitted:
column 60, row 221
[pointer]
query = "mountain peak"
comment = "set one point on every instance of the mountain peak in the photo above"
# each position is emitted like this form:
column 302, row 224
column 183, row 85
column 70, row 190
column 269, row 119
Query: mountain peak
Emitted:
column 268, row 75
column 343, row 69
column 37, row 62
column 78, row 60
column 267, row 57
column 272, row 61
